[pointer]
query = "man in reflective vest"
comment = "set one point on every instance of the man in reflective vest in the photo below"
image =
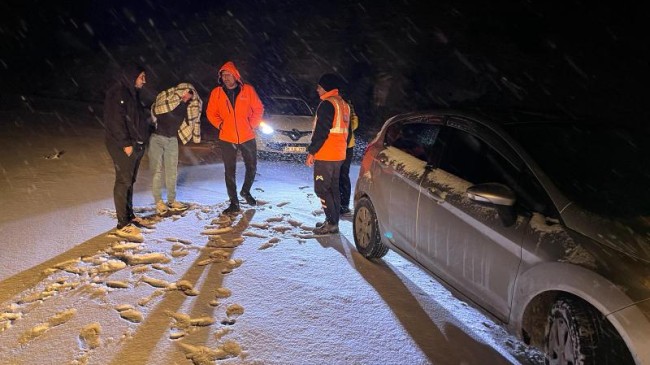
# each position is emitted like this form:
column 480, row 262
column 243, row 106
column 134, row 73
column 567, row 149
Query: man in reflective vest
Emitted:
column 327, row 149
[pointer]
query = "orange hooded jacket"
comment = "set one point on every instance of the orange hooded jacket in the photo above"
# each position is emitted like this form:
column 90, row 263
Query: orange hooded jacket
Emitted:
column 236, row 125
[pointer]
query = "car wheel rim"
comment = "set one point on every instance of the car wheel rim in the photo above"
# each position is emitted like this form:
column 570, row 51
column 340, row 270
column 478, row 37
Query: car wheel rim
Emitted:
column 560, row 344
column 363, row 227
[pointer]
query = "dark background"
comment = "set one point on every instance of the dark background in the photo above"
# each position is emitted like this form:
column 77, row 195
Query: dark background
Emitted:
column 576, row 57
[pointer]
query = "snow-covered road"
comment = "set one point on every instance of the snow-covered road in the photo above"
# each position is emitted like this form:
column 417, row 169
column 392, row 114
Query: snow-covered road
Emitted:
column 259, row 289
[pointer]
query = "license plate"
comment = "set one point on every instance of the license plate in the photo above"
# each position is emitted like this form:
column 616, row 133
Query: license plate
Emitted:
column 295, row 149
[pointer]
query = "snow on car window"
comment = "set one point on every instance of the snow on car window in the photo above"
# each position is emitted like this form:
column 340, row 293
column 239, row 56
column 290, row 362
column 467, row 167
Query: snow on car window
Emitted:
column 403, row 161
column 453, row 182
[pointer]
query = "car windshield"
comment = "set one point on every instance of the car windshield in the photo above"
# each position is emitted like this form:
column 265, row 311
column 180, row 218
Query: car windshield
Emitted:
column 603, row 168
column 287, row 106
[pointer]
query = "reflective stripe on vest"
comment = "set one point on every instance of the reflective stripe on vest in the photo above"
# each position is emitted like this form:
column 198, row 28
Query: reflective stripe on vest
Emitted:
column 341, row 113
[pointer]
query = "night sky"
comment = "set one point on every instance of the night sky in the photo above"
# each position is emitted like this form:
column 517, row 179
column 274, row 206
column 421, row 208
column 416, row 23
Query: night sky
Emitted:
column 573, row 56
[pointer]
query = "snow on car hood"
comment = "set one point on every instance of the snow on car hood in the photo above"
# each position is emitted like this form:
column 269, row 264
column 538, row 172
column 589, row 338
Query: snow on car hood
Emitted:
column 629, row 236
column 289, row 122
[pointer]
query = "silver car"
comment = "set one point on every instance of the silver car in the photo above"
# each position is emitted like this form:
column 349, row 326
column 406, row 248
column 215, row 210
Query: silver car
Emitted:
column 286, row 127
column 543, row 224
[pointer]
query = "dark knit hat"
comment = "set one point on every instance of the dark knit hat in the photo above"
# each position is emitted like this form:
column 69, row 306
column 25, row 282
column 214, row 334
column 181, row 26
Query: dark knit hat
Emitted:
column 329, row 82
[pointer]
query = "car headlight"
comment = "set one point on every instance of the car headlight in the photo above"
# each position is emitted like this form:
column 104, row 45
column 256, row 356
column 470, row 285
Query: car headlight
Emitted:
column 265, row 128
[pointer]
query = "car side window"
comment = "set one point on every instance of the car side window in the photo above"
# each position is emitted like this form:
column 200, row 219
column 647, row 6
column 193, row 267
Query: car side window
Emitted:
column 416, row 139
column 475, row 161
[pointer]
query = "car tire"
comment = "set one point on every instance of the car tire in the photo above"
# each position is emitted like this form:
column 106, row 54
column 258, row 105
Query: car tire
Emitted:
column 366, row 230
column 572, row 332
column 576, row 333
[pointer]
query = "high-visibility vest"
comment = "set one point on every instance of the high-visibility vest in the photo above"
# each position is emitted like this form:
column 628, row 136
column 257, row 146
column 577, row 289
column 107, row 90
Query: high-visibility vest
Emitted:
column 336, row 143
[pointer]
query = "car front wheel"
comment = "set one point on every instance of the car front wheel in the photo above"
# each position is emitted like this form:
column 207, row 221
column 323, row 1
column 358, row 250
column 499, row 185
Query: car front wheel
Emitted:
column 366, row 230
column 571, row 335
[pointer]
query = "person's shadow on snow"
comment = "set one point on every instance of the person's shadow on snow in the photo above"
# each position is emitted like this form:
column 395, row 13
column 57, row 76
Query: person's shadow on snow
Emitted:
column 441, row 341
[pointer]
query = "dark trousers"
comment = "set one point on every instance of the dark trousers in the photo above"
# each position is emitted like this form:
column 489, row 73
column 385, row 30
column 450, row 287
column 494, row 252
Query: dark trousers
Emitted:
column 229, row 155
column 326, row 187
column 126, row 171
column 345, row 187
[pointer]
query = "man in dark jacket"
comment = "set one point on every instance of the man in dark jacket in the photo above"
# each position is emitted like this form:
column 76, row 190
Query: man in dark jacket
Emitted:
column 127, row 132
column 329, row 141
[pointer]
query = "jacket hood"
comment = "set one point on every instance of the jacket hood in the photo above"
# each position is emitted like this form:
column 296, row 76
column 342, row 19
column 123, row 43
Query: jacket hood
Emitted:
column 230, row 67
column 130, row 73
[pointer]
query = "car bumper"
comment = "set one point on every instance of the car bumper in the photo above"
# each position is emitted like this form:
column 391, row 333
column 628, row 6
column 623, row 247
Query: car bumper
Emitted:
column 278, row 143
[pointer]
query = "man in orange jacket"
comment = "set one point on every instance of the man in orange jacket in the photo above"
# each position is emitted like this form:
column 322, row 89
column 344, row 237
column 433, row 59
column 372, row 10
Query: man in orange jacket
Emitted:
column 236, row 110
column 329, row 142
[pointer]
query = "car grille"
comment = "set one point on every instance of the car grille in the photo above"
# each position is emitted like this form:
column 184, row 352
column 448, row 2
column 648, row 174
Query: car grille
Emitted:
column 294, row 134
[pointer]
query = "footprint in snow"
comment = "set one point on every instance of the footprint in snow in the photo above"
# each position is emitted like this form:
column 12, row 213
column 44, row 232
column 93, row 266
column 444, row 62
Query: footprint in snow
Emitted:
column 294, row 223
column 232, row 313
column 38, row 330
column 129, row 313
column 260, row 225
column 54, row 156
column 253, row 234
column 282, row 229
column 89, row 335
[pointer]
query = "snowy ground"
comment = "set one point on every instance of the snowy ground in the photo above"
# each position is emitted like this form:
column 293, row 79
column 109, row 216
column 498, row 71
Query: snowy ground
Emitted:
column 201, row 289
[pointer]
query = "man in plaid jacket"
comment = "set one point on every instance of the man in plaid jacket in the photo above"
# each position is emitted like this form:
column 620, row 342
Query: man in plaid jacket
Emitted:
column 177, row 113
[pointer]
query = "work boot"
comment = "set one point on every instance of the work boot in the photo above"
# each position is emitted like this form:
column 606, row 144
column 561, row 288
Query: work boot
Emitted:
column 161, row 207
column 232, row 209
column 249, row 198
column 130, row 233
column 345, row 212
column 176, row 205
column 142, row 222
column 327, row 228
column 320, row 224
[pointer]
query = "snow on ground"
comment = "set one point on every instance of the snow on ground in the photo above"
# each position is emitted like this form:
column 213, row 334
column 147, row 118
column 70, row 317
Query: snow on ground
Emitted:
column 259, row 288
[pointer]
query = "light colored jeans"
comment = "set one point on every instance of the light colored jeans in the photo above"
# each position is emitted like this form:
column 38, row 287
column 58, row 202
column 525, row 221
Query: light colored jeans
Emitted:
column 163, row 152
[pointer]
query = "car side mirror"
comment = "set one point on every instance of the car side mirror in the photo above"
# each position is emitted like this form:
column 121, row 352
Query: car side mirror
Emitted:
column 499, row 195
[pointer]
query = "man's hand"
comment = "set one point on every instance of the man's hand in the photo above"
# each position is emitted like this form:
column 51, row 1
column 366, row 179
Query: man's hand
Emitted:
column 187, row 95
column 310, row 160
column 128, row 150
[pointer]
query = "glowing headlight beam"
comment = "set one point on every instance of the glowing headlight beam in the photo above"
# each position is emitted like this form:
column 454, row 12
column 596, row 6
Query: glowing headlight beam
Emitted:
column 266, row 129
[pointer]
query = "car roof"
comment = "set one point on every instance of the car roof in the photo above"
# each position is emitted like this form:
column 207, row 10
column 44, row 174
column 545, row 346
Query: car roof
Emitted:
column 510, row 117
column 285, row 97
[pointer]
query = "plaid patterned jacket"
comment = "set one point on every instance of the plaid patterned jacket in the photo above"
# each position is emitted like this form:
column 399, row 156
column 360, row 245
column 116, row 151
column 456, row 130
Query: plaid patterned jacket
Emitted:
column 169, row 99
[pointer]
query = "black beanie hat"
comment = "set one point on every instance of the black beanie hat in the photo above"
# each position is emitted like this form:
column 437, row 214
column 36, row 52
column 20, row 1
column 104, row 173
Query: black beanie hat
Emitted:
column 329, row 82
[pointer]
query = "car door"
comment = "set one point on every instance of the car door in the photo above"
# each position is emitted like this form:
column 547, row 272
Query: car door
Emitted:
column 462, row 241
column 400, row 168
